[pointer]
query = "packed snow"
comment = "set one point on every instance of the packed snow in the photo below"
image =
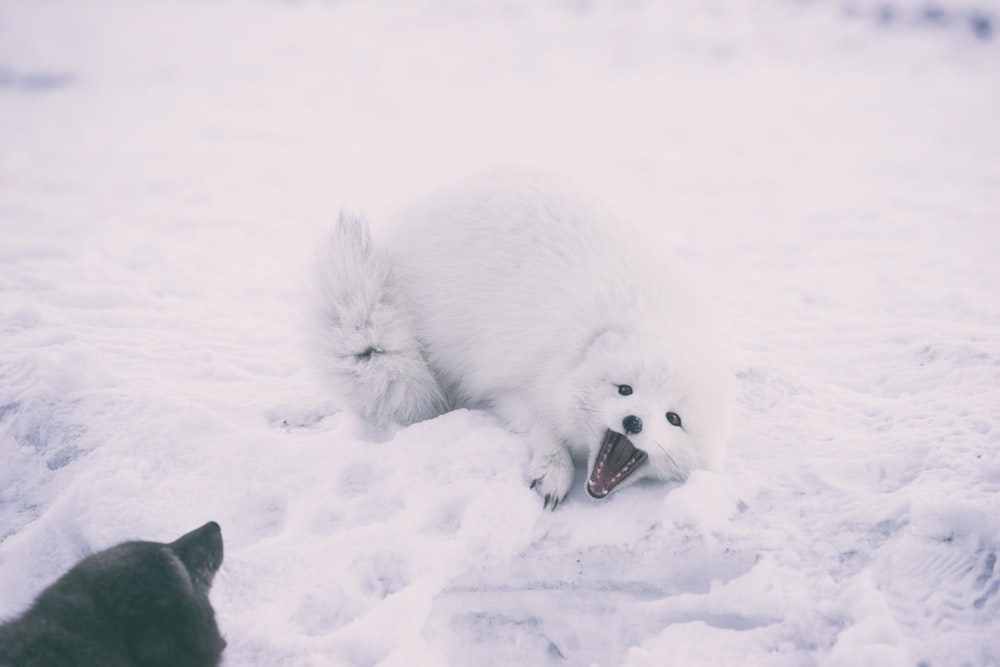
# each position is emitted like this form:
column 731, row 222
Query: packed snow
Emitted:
column 829, row 171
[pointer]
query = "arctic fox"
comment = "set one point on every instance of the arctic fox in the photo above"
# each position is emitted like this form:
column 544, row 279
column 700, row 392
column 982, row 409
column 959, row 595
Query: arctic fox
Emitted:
column 513, row 298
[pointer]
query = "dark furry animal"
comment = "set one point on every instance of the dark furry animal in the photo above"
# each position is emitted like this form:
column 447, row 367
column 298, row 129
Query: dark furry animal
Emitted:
column 139, row 604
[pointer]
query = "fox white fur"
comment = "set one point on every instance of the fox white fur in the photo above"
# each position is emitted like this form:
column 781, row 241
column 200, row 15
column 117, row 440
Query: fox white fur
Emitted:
column 514, row 298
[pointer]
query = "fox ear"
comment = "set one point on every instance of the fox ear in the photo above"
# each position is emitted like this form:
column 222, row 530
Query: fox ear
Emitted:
column 605, row 341
column 201, row 552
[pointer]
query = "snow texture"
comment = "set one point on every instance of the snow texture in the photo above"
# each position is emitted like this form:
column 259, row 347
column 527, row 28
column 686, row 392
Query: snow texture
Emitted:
column 830, row 169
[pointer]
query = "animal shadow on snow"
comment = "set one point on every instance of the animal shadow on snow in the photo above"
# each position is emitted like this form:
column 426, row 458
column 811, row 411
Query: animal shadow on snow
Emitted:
column 138, row 604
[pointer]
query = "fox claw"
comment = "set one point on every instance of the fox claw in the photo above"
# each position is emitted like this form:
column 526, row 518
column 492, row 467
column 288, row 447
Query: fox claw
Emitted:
column 550, row 501
column 553, row 484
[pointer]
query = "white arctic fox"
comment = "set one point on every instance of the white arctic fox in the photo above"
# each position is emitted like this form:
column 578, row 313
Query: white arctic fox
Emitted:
column 511, row 298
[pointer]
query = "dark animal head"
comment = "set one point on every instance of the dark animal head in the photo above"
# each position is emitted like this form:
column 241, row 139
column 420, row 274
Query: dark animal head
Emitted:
column 158, row 594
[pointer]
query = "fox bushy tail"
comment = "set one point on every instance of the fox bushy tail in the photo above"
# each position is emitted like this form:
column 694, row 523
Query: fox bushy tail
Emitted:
column 364, row 332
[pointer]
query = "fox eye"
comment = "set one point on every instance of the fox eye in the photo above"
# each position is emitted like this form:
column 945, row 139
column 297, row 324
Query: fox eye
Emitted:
column 674, row 418
column 624, row 390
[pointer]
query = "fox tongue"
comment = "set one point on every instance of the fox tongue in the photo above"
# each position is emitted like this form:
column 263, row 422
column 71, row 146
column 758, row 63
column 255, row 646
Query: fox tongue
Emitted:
column 617, row 459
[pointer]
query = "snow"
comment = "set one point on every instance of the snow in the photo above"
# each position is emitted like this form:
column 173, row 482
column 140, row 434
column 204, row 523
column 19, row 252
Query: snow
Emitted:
column 830, row 171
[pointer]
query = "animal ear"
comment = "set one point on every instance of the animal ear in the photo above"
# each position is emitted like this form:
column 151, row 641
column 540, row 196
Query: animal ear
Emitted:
column 201, row 552
column 606, row 340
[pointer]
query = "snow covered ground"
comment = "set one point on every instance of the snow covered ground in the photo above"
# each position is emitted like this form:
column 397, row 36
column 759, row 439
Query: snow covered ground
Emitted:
column 830, row 169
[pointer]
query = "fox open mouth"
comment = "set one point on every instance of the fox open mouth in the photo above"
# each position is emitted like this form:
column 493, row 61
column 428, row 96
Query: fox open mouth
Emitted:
column 617, row 459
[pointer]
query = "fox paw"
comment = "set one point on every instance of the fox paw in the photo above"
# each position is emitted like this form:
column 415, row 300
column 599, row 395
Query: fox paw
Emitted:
column 552, row 476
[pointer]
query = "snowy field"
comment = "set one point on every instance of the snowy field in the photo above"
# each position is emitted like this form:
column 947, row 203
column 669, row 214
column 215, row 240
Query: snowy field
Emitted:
column 830, row 171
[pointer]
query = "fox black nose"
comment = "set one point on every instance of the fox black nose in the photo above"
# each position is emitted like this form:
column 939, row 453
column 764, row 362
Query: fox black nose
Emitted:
column 632, row 424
